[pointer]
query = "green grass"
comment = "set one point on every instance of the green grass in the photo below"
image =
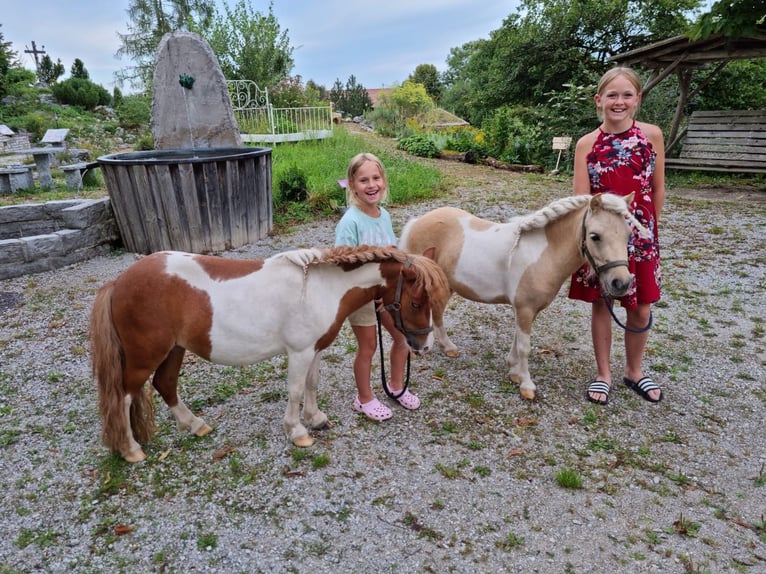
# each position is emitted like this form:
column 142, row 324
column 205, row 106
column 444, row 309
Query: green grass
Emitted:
column 324, row 162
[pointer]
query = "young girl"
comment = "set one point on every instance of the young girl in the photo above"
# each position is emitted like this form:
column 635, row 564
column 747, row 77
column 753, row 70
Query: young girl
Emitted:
column 622, row 156
column 366, row 222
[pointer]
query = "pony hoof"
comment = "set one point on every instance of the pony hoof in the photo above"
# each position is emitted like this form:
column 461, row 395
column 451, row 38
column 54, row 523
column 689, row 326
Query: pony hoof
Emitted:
column 303, row 441
column 135, row 456
column 527, row 394
column 203, row 430
column 452, row 353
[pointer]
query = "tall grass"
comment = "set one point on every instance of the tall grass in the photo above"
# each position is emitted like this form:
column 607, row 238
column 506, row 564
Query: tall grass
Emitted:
column 323, row 163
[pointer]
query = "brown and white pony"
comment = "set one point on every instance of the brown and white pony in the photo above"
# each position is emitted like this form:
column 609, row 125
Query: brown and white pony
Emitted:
column 525, row 262
column 238, row 312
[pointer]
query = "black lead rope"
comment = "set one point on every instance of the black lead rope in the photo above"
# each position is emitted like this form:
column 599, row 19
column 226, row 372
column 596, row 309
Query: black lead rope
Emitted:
column 383, row 365
column 598, row 269
column 610, row 306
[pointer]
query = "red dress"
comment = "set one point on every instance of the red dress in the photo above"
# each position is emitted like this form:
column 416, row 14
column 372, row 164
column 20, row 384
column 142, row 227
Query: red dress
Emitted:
column 620, row 164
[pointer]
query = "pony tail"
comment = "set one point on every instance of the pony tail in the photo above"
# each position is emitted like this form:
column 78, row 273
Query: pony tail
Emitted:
column 108, row 363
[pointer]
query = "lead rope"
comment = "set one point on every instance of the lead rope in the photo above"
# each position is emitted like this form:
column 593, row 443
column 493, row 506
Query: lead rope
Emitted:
column 610, row 306
column 383, row 364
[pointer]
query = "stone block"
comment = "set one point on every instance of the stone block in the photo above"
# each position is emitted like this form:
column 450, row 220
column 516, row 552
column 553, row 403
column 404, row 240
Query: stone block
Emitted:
column 42, row 246
column 22, row 212
column 86, row 213
column 11, row 251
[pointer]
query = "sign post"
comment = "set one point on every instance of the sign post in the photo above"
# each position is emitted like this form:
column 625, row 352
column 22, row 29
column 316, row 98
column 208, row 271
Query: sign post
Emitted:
column 560, row 144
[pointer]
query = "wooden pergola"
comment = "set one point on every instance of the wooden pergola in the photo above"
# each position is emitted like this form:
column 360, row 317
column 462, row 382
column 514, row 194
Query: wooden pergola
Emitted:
column 682, row 56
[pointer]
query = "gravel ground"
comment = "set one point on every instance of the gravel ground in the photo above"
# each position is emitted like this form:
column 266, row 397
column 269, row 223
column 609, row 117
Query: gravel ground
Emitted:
column 475, row 481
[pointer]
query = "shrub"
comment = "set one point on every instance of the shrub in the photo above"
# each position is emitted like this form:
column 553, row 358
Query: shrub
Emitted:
column 35, row 123
column 134, row 111
column 420, row 145
column 293, row 186
column 81, row 92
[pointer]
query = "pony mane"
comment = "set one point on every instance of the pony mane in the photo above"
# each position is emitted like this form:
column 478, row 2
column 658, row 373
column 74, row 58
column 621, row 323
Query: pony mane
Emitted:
column 559, row 208
column 343, row 254
column 428, row 275
column 552, row 212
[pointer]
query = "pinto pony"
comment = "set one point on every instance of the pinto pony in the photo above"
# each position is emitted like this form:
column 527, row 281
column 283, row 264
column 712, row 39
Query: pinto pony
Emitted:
column 238, row 312
column 525, row 262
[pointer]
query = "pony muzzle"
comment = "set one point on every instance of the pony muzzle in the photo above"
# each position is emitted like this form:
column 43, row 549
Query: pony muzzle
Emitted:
column 416, row 347
column 616, row 286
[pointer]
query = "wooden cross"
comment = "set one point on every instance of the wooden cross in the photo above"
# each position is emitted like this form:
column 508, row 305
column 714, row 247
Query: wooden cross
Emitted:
column 34, row 51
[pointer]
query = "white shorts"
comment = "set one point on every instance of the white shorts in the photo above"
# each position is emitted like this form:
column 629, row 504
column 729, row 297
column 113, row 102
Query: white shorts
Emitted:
column 364, row 316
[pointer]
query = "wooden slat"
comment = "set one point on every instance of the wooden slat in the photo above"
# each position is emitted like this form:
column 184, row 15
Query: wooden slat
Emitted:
column 726, row 140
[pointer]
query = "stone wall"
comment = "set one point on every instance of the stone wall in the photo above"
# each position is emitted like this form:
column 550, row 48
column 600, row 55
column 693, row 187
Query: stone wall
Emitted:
column 44, row 236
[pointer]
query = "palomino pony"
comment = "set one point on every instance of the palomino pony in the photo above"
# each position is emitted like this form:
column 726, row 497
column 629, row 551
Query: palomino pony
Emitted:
column 525, row 262
column 238, row 312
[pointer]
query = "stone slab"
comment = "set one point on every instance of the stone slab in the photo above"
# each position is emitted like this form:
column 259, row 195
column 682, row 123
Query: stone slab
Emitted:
column 197, row 116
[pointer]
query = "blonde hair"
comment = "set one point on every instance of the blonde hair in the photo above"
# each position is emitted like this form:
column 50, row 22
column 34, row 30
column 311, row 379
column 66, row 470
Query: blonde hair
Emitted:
column 610, row 75
column 353, row 167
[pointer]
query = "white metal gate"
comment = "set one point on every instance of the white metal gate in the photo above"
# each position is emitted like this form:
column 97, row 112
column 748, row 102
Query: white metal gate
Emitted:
column 260, row 122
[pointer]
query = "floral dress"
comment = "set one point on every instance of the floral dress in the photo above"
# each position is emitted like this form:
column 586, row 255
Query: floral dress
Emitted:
column 620, row 164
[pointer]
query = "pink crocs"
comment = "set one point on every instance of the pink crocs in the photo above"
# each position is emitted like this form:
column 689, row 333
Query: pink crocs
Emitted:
column 408, row 400
column 374, row 410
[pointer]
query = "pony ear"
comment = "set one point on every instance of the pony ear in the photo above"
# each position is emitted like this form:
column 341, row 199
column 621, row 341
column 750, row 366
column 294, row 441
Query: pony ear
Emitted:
column 430, row 253
column 629, row 198
column 596, row 202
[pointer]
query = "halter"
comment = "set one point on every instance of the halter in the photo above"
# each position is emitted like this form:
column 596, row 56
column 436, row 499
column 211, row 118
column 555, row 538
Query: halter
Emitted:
column 395, row 310
column 598, row 270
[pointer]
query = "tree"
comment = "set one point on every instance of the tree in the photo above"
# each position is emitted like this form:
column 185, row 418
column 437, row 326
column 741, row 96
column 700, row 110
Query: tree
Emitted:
column 428, row 76
column 149, row 21
column 49, row 72
column 336, row 95
column 456, row 84
column 79, row 71
column 735, row 18
column 250, row 45
column 353, row 100
column 578, row 38
column 7, row 59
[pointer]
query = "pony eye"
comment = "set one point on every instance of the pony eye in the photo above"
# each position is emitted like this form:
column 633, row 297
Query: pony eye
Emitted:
column 416, row 305
column 595, row 237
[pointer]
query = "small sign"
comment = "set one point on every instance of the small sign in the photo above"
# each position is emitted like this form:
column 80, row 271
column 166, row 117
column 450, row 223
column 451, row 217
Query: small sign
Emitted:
column 562, row 142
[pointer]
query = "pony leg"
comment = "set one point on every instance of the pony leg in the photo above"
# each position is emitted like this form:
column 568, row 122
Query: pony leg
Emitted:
column 518, row 357
column 166, row 382
column 133, row 451
column 313, row 417
column 440, row 333
column 298, row 366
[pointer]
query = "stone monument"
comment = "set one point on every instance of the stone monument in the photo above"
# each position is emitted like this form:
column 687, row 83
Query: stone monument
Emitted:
column 191, row 108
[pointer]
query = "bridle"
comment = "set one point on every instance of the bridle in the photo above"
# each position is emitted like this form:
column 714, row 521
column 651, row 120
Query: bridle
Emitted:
column 599, row 269
column 395, row 309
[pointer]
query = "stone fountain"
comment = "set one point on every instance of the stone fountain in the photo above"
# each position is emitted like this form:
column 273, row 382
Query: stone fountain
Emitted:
column 200, row 190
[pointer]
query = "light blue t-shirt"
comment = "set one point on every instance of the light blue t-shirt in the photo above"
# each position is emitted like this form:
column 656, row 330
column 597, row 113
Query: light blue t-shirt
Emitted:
column 358, row 228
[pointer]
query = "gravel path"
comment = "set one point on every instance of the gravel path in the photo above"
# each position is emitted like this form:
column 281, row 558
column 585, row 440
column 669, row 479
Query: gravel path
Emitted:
column 475, row 481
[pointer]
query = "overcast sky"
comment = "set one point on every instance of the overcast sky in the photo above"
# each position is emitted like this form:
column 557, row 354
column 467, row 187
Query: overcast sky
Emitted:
column 379, row 42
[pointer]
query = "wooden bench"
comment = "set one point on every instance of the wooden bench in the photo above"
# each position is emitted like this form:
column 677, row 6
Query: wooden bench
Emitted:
column 725, row 141
column 73, row 173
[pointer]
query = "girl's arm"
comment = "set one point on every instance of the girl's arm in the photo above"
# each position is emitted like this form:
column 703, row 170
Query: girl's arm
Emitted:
column 581, row 180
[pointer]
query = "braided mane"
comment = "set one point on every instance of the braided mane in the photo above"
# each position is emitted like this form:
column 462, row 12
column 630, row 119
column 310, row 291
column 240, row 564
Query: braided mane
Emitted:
column 428, row 274
column 553, row 212
column 559, row 208
column 361, row 254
